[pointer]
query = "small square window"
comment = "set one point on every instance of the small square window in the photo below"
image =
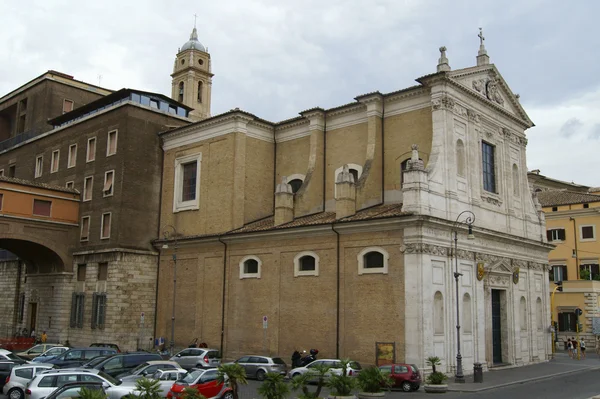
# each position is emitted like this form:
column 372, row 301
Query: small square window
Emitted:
column 41, row 207
column 91, row 150
column 588, row 232
column 250, row 267
column 586, row 206
column 67, row 106
column 88, row 185
column 55, row 161
column 554, row 209
column 39, row 164
column 72, row 158
column 111, row 144
column 154, row 103
column 70, row 184
column 105, row 228
column 108, row 183
column 85, row 228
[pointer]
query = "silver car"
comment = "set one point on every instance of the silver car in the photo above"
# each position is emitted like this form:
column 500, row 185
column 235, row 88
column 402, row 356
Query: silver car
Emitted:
column 199, row 358
column 147, row 369
column 258, row 366
column 335, row 367
column 20, row 376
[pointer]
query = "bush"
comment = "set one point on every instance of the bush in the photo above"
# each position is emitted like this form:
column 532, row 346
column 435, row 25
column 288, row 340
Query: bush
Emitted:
column 86, row 393
column 435, row 378
column 342, row 385
column 318, row 372
column 274, row 387
column 373, row 380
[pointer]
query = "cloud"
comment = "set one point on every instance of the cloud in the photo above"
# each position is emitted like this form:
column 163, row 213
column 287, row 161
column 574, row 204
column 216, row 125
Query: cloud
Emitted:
column 595, row 132
column 570, row 127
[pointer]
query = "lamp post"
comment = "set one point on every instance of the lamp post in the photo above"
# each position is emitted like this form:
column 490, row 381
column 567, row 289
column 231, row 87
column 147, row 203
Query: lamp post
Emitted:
column 554, row 330
column 468, row 220
column 166, row 235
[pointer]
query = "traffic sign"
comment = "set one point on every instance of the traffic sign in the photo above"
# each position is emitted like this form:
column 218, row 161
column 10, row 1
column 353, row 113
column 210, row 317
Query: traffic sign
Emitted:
column 265, row 321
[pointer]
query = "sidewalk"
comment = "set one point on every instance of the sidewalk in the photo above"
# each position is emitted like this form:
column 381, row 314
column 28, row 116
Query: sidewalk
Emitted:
column 496, row 378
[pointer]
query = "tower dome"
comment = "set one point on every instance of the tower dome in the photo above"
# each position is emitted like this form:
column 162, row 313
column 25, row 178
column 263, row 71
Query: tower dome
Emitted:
column 193, row 43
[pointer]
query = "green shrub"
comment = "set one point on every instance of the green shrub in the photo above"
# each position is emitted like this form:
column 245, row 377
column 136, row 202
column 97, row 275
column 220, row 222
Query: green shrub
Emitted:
column 373, row 380
column 274, row 387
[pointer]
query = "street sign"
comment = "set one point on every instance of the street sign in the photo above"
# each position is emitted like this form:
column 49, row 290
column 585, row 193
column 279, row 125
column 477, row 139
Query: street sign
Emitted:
column 578, row 312
column 265, row 322
column 142, row 317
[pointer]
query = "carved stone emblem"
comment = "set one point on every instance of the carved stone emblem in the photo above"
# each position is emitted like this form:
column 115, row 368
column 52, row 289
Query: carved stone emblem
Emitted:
column 515, row 276
column 480, row 270
column 489, row 89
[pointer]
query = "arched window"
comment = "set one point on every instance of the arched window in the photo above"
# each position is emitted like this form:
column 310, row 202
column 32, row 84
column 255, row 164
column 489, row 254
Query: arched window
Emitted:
column 250, row 267
column 515, row 180
column 460, row 158
column 467, row 315
column 523, row 308
column 373, row 260
column 539, row 314
column 199, row 92
column 180, row 92
column 354, row 169
column 438, row 313
column 306, row 264
column 296, row 184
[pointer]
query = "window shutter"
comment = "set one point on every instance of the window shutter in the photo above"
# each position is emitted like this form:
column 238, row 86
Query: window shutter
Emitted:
column 549, row 235
column 101, row 310
column 561, row 234
column 94, row 310
column 561, row 322
column 80, row 310
column 74, row 310
column 551, row 274
column 564, row 269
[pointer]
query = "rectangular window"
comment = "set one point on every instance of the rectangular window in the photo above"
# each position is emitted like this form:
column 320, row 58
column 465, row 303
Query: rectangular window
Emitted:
column 567, row 321
column 2, row 172
column 77, row 306
column 105, row 228
column 81, row 272
column 111, row 144
column 41, row 207
column 55, row 160
column 70, row 184
column 188, row 187
column 558, row 273
column 11, row 170
column 588, row 232
column 85, row 228
column 489, row 167
column 67, row 106
column 72, row 159
column 102, row 271
column 21, row 307
column 555, row 234
column 590, row 271
column 154, row 103
column 108, row 183
column 91, row 150
column 88, row 185
column 1, row 200
column 98, row 310
column 39, row 164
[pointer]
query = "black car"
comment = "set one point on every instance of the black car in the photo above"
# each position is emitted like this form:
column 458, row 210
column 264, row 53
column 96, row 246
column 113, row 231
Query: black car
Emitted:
column 78, row 356
column 5, row 368
column 123, row 362
column 71, row 389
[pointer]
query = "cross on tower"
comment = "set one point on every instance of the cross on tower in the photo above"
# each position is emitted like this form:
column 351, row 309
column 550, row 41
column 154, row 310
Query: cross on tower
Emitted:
column 196, row 16
column 480, row 35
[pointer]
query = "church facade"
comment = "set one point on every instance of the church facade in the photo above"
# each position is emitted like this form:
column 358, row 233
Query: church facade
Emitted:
column 368, row 230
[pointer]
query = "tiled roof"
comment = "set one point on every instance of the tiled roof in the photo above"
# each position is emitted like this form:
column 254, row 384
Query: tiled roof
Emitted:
column 565, row 197
column 38, row 185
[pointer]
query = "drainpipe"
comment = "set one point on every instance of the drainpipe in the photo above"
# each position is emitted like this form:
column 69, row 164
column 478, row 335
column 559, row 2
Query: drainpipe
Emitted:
column 383, row 150
column 576, row 252
column 274, row 170
column 324, row 158
column 162, row 163
column 223, row 297
column 337, row 317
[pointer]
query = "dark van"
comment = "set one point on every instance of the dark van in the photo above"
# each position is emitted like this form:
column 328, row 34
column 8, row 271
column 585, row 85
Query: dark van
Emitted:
column 123, row 362
column 78, row 356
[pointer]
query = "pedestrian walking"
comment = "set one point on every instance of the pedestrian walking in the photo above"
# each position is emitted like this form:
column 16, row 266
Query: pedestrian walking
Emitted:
column 44, row 337
column 570, row 347
column 582, row 346
column 574, row 342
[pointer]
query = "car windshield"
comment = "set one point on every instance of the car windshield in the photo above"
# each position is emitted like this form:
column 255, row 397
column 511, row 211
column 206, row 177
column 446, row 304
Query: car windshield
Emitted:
column 95, row 361
column 136, row 370
column 192, row 376
column 12, row 356
column 108, row 378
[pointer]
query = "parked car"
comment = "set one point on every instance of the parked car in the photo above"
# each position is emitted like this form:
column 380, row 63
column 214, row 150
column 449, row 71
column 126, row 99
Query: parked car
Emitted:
column 11, row 357
column 335, row 367
column 35, row 351
column 103, row 345
column 71, row 390
column 148, row 368
column 6, row 367
column 20, row 376
column 97, row 360
column 205, row 381
column 258, row 366
column 123, row 362
column 78, row 356
column 405, row 376
column 50, row 354
column 166, row 379
column 46, row 382
column 197, row 358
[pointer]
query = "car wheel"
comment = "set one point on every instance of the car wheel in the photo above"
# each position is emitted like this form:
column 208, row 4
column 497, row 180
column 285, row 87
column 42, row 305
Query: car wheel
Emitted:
column 407, row 386
column 227, row 395
column 295, row 375
column 260, row 375
column 15, row 393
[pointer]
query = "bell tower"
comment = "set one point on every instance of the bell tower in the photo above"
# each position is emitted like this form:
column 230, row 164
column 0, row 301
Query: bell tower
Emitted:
column 192, row 77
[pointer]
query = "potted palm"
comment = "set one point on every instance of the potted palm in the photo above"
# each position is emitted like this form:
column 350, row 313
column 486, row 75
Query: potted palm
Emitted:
column 342, row 385
column 234, row 373
column 372, row 382
column 147, row 388
column 434, row 383
column 274, row 387
column 318, row 373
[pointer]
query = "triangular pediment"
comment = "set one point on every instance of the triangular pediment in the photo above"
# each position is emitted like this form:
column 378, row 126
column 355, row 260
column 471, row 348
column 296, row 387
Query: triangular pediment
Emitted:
column 487, row 83
column 501, row 267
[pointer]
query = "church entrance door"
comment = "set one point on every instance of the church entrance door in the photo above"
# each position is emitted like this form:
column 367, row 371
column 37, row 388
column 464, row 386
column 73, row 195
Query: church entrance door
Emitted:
column 496, row 327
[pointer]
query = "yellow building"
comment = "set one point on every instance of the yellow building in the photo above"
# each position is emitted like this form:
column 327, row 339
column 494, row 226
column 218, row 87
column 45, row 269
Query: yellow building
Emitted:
column 571, row 220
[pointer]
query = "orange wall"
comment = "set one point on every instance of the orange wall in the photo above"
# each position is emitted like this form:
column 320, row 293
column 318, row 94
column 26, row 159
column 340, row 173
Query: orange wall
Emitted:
column 17, row 200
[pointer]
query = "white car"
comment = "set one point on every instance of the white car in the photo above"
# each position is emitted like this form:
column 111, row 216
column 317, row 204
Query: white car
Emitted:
column 166, row 379
column 8, row 355
column 335, row 367
column 20, row 376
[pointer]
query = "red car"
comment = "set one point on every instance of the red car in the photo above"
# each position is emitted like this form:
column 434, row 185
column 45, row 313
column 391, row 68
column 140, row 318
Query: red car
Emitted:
column 205, row 381
column 405, row 376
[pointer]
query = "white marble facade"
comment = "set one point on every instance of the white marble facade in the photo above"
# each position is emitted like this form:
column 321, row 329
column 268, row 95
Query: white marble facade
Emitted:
column 470, row 106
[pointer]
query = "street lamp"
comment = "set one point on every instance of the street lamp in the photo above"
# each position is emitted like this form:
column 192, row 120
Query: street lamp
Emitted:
column 468, row 219
column 166, row 235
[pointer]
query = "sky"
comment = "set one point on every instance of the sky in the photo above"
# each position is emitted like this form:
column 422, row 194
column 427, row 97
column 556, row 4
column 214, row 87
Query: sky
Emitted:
column 275, row 58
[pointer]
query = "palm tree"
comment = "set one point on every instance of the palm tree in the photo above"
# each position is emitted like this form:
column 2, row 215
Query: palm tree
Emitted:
column 234, row 373
column 301, row 381
column 274, row 387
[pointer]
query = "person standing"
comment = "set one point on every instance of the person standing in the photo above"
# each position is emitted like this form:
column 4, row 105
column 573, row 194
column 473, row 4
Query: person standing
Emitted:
column 570, row 347
column 44, row 337
column 582, row 346
column 574, row 342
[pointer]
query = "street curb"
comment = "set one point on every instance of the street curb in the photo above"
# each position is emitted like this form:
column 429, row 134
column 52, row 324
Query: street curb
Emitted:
column 543, row 377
